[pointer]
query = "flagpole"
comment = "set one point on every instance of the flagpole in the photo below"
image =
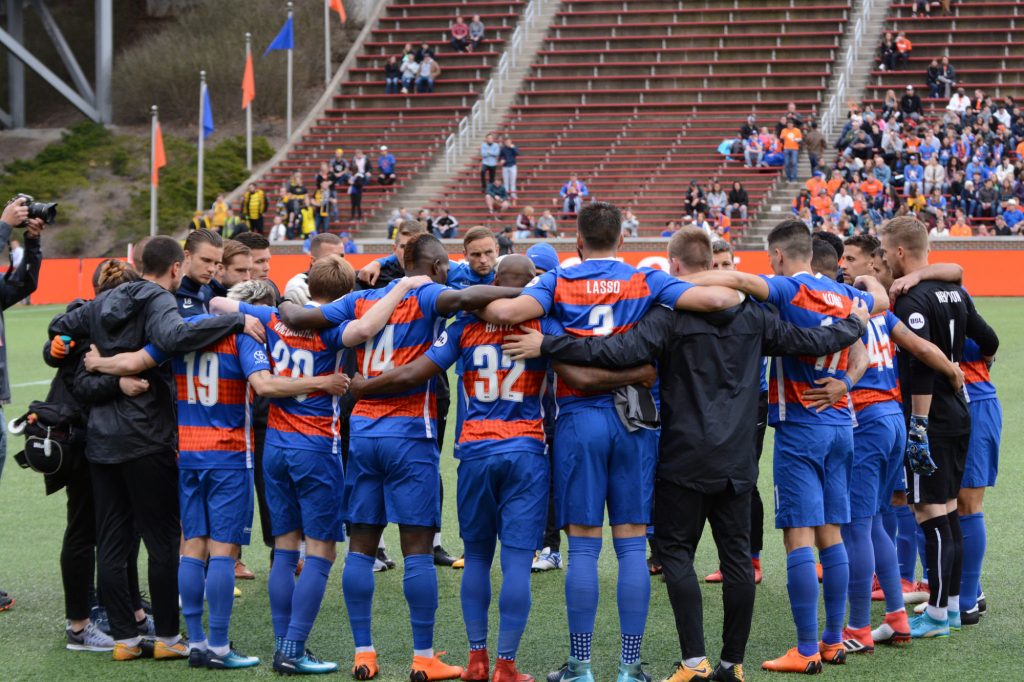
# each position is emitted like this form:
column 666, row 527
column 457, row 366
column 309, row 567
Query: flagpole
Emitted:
column 202, row 114
column 248, row 109
column 152, row 169
column 327, row 42
column 291, row 48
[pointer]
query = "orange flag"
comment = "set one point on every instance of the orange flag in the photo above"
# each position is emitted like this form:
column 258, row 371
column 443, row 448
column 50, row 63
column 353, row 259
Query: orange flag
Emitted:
column 338, row 7
column 248, row 83
column 159, row 158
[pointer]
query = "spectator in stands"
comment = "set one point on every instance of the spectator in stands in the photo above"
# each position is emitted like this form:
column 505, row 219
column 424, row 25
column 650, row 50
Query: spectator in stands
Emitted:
column 410, row 71
column 890, row 105
column 355, row 196
column 969, row 199
column 947, row 77
column 753, row 151
column 671, row 227
column 1012, row 214
column 792, row 113
column 361, row 165
column 716, row 197
column 296, row 199
column 630, row 225
column 802, row 201
column 932, row 78
column 547, row 226
column 821, row 205
column 721, row 224
column 322, row 200
column 424, row 217
column 525, row 223
column 506, row 241
column 490, row 151
column 915, row 202
column 749, row 128
column 349, row 245
column 279, row 230
column 220, row 213
column 1002, row 115
column 408, row 51
column 1001, row 229
column 961, row 226
column 861, row 147
column 921, row 7
column 573, row 193
column 887, row 53
column 254, row 205
column 910, row 105
column 446, row 226
column 392, row 76
column 988, row 200
column 940, row 231
column 509, row 154
column 903, row 49
column 791, row 138
column 496, row 197
column 695, row 202
column 936, row 203
column 738, row 201
column 881, row 170
column 814, row 144
column 934, row 176
column 386, row 167
column 424, row 51
column 476, row 33
column 459, row 33
column 429, row 72
column 338, row 164
column 701, row 223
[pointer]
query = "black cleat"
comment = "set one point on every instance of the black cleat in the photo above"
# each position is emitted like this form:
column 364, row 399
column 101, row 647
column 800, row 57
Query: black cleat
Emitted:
column 442, row 558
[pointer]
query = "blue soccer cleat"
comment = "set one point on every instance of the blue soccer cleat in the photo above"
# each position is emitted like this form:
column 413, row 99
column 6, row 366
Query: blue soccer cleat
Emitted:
column 926, row 627
column 954, row 621
column 307, row 664
column 632, row 672
column 573, row 671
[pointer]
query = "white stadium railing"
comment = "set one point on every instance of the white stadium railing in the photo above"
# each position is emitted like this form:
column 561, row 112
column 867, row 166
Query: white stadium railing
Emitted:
column 834, row 110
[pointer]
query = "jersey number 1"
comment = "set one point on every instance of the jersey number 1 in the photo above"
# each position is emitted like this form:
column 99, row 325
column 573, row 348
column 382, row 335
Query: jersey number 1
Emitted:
column 201, row 375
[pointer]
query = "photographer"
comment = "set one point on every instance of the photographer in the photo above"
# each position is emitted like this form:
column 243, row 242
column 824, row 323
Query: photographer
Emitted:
column 17, row 284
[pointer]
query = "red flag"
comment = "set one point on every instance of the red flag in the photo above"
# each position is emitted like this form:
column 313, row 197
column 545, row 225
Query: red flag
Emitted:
column 248, row 83
column 338, row 7
column 159, row 158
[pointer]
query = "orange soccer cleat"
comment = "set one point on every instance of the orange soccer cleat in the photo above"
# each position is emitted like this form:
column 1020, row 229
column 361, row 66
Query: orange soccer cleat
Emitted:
column 505, row 671
column 479, row 667
column 364, row 667
column 858, row 640
column 794, row 662
column 832, row 653
column 895, row 629
column 428, row 669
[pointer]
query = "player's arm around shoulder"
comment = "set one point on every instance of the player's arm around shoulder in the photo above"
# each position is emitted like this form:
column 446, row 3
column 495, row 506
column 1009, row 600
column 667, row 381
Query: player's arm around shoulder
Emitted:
column 492, row 303
column 715, row 287
column 364, row 328
column 928, row 353
column 599, row 379
column 122, row 364
column 874, row 288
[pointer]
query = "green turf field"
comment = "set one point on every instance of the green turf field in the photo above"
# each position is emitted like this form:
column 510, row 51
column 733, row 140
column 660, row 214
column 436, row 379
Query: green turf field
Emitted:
column 32, row 633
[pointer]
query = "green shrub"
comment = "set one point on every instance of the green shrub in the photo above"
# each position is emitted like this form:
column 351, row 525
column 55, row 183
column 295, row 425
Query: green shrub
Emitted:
column 74, row 240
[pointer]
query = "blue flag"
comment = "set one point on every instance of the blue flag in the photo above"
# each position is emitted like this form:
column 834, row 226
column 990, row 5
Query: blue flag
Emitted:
column 207, row 114
column 285, row 39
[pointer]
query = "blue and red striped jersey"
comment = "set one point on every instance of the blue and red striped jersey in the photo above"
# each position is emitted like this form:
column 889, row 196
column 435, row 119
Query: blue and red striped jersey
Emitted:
column 976, row 374
column 414, row 326
column 304, row 422
column 214, row 416
column 807, row 300
column 501, row 409
column 877, row 394
column 600, row 297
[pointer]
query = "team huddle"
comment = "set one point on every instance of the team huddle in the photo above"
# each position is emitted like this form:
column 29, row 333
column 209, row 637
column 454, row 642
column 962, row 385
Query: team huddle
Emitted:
column 879, row 446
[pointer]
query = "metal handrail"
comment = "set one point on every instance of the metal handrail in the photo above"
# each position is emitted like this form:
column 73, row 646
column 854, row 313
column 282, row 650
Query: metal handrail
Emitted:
column 831, row 117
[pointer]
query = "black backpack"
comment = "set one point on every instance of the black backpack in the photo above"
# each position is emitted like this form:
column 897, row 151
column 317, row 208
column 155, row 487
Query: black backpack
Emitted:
column 54, row 434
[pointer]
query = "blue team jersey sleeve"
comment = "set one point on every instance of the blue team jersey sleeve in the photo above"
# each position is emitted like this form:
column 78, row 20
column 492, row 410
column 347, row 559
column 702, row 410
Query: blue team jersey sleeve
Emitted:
column 342, row 310
column 262, row 313
column 665, row 289
column 446, row 350
column 542, row 289
column 252, row 355
column 427, row 296
column 780, row 290
column 388, row 260
column 856, row 294
column 891, row 321
column 333, row 336
column 549, row 325
column 159, row 356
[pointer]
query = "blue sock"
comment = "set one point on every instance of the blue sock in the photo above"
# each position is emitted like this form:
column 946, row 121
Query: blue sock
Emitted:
column 887, row 568
column 280, row 586
column 191, row 586
column 420, row 584
column 906, row 542
column 890, row 521
column 922, row 554
column 357, row 586
column 309, row 592
column 861, row 567
column 802, row 584
column 514, row 602
column 581, row 594
column 973, row 527
column 634, row 594
column 755, row 555
column 220, row 595
column 476, row 590
column 835, row 570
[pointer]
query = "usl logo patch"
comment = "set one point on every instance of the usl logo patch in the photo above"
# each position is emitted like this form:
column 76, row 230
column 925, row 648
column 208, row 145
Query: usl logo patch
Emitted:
column 916, row 321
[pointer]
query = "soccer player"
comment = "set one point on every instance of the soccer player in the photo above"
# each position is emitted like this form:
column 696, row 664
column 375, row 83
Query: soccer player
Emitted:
column 320, row 246
column 393, row 453
column 303, row 472
column 939, row 429
column 235, row 264
column 215, row 467
column 204, row 251
column 879, row 439
column 593, row 450
column 813, row 440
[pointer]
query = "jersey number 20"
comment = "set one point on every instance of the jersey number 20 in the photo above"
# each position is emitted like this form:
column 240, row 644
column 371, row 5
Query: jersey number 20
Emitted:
column 297, row 361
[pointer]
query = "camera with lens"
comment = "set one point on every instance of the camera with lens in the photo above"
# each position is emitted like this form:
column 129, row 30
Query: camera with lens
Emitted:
column 47, row 212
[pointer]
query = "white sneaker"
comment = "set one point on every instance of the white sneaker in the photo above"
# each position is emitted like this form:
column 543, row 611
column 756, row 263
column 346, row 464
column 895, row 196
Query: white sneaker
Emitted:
column 919, row 609
column 89, row 639
column 547, row 561
column 379, row 566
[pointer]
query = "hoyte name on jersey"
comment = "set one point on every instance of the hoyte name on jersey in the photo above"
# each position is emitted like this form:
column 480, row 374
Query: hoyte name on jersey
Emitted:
column 604, row 286
column 948, row 296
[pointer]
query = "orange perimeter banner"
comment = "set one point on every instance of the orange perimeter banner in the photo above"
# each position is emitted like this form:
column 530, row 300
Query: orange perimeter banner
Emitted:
column 987, row 273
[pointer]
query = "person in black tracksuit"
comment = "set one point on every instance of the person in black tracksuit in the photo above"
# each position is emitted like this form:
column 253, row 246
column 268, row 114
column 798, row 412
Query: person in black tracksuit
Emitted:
column 131, row 442
column 708, row 368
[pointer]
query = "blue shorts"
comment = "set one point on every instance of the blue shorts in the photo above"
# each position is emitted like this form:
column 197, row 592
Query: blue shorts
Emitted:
column 505, row 496
column 811, row 470
column 983, row 451
column 393, row 480
column 597, row 461
column 303, row 490
column 878, row 448
column 216, row 504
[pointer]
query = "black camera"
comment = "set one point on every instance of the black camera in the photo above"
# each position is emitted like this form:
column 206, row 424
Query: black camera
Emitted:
column 37, row 209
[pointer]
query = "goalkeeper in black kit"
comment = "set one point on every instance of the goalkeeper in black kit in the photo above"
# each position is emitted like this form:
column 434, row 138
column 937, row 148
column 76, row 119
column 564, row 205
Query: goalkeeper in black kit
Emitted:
column 939, row 423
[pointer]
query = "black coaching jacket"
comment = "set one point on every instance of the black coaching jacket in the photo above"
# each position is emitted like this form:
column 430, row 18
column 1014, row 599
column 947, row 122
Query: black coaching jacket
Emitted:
column 709, row 368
